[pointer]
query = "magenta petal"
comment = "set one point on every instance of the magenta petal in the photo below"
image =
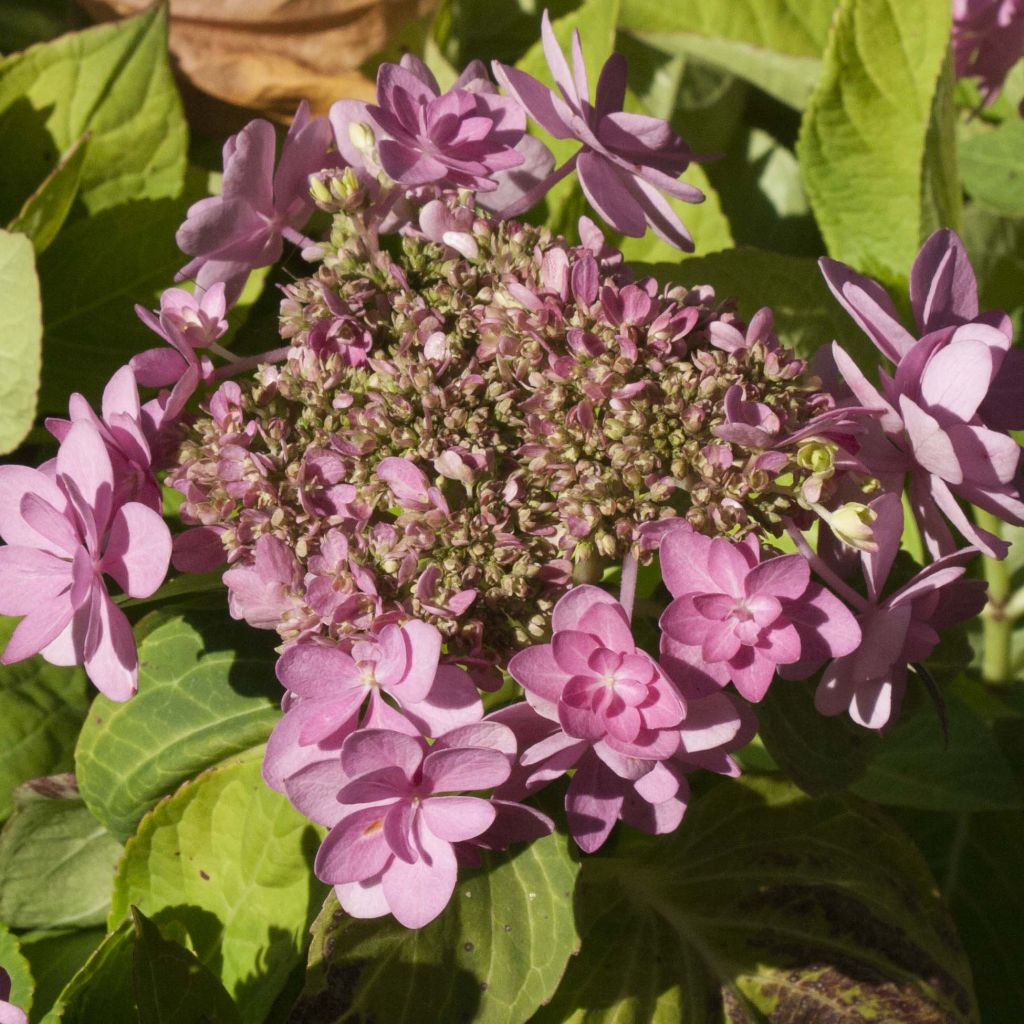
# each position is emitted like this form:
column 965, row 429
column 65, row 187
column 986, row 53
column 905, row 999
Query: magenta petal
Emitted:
column 888, row 530
column 608, row 622
column 826, row 626
column 138, row 550
column 453, row 770
column 370, row 749
column 314, row 787
column 457, row 818
column 111, row 660
column 943, row 288
column 31, row 578
column 248, row 171
column 932, row 446
column 83, row 459
column 311, row 670
column 424, row 650
column 15, row 483
column 717, row 720
column 785, row 576
column 198, row 550
column 957, row 377
column 592, row 804
column 418, row 892
column 870, row 306
column 355, row 849
column 536, row 670
column 452, row 702
column 38, row 629
column 534, row 97
column 752, row 673
column 604, row 186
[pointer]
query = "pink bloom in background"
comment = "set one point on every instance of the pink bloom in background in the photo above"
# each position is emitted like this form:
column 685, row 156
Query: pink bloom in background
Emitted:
column 328, row 689
column 458, row 139
column 63, row 533
column 186, row 323
column 396, row 811
column 944, row 415
column 124, row 431
column 242, row 228
column 738, row 619
column 627, row 160
column 870, row 681
column 988, row 39
column 9, row 1013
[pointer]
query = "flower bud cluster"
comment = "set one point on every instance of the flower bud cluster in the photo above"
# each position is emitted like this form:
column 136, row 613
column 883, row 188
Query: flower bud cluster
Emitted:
column 539, row 406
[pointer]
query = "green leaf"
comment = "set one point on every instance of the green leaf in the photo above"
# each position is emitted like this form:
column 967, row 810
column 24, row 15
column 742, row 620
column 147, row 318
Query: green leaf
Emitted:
column 941, row 191
column 43, row 709
column 102, row 989
column 56, row 860
column 23, row 24
column 171, row 984
column 55, row 957
column 21, row 328
column 113, row 81
column 862, row 141
column 206, row 692
column 231, row 860
column 979, row 858
column 819, row 754
column 13, row 961
column 992, row 165
column 806, row 316
column 996, row 247
column 493, row 957
column 91, row 281
column 915, row 767
column 45, row 211
column 775, row 44
column 765, row 905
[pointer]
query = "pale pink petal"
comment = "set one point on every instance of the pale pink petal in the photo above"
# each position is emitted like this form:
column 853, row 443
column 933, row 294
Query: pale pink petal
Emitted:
column 38, row 629
column 312, row 670
column 932, row 447
column 456, row 818
column 83, row 459
column 418, row 892
column 355, row 849
column 454, row 770
column 785, row 576
column 363, row 899
column 592, row 804
column 15, row 483
column 314, row 787
column 957, row 377
column 370, row 749
column 452, row 702
column 111, row 661
column 536, row 670
column 138, row 550
column 30, row 578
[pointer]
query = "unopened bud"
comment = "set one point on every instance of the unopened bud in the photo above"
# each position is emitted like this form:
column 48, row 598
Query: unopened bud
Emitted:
column 361, row 136
column 852, row 524
column 818, row 457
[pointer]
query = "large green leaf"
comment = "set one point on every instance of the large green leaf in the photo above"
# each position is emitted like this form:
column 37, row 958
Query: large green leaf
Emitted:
column 206, row 692
column 21, row 328
column 819, row 754
column 45, row 211
column 917, row 766
column 996, row 248
column 992, row 165
column 171, row 984
column 862, row 142
column 43, row 709
column 113, row 81
column 806, row 316
column 13, row 961
column 91, row 280
column 764, row 906
column 55, row 957
column 776, row 44
column 231, row 860
column 493, row 957
column 56, row 860
column 101, row 990
column 979, row 859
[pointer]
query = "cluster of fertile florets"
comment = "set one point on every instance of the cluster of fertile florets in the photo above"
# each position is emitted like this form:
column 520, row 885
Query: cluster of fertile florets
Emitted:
column 460, row 438
column 472, row 428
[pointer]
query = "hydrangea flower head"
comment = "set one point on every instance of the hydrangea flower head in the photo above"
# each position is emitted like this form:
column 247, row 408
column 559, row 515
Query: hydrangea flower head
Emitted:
column 627, row 160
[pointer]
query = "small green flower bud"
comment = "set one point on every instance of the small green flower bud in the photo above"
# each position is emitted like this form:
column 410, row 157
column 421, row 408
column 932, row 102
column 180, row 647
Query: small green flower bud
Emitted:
column 818, row 457
column 852, row 524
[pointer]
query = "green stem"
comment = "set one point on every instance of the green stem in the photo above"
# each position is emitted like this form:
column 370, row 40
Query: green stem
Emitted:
column 996, row 662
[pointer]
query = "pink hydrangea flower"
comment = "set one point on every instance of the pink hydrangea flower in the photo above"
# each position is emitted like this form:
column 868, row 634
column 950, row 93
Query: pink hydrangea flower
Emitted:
column 627, row 160
column 458, row 139
column 242, row 228
column 648, row 795
column 735, row 618
column 186, row 323
column 9, row 1013
column 331, row 690
column 397, row 814
column 265, row 592
column 988, row 39
column 900, row 629
column 124, row 430
column 63, row 534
